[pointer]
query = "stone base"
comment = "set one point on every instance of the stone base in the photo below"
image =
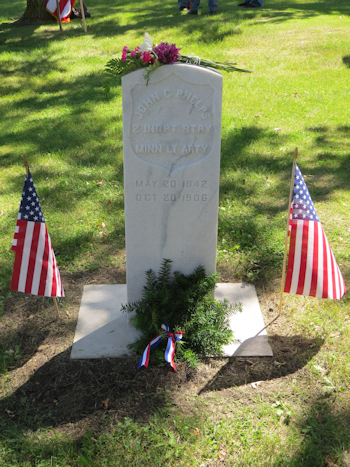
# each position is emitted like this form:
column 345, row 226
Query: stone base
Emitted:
column 104, row 331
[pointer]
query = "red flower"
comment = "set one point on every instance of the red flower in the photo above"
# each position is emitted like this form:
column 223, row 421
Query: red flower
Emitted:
column 146, row 57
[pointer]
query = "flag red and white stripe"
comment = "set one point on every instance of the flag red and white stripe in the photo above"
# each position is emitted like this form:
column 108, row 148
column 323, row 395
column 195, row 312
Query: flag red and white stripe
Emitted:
column 66, row 7
column 312, row 269
column 35, row 268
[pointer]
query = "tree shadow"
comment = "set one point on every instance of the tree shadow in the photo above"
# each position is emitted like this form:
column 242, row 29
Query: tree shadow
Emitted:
column 291, row 353
column 28, row 336
column 255, row 246
column 104, row 21
column 346, row 61
column 236, row 157
column 277, row 12
column 64, row 391
column 208, row 29
column 56, row 134
column 41, row 67
column 83, row 145
column 326, row 430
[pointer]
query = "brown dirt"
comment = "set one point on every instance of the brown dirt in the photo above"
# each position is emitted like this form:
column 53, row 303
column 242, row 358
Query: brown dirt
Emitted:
column 45, row 388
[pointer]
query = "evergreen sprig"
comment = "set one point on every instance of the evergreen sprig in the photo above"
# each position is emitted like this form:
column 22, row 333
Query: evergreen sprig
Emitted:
column 186, row 303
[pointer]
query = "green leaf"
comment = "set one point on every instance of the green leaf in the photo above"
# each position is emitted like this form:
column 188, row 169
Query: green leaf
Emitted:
column 168, row 454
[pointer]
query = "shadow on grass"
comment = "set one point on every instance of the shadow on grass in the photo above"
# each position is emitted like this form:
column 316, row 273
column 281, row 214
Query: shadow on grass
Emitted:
column 326, row 430
column 254, row 192
column 346, row 61
column 105, row 21
column 332, row 162
column 26, row 332
column 85, row 145
column 276, row 12
column 64, row 391
column 72, row 93
column 291, row 353
column 76, row 129
column 41, row 67
column 75, row 136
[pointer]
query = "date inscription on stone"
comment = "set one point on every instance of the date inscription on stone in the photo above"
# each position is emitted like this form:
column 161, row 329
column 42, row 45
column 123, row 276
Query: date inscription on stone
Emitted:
column 171, row 190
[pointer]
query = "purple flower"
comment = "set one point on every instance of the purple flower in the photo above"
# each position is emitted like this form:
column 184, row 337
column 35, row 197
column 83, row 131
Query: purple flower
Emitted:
column 167, row 53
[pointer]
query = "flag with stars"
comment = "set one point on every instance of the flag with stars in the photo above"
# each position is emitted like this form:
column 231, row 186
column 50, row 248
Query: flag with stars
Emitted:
column 35, row 269
column 312, row 270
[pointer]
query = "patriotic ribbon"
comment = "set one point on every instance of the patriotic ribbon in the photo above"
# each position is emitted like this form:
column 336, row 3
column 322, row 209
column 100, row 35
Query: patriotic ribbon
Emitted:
column 170, row 348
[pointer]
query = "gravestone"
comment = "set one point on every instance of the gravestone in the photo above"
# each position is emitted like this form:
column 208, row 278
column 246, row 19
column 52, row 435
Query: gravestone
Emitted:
column 171, row 138
column 172, row 134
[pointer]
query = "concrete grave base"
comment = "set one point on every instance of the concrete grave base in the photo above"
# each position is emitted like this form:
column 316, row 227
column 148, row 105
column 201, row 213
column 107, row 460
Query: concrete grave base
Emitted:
column 104, row 331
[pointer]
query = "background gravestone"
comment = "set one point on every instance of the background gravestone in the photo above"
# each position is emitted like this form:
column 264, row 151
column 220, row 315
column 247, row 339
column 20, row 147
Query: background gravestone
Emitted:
column 172, row 133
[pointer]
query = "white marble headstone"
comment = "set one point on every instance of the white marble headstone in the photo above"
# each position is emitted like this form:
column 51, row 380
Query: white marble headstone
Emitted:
column 171, row 175
column 171, row 137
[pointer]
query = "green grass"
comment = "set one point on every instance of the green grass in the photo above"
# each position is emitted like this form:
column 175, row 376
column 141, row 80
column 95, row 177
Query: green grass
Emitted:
column 244, row 436
column 54, row 110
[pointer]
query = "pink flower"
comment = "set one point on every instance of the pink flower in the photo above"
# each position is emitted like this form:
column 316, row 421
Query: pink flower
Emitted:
column 133, row 53
column 146, row 57
column 125, row 53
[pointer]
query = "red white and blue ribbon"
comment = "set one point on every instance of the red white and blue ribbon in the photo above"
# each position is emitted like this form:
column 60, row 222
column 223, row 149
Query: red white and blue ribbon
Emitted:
column 170, row 348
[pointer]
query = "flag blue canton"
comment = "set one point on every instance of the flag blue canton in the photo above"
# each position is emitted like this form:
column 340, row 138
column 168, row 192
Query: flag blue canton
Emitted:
column 30, row 209
column 303, row 207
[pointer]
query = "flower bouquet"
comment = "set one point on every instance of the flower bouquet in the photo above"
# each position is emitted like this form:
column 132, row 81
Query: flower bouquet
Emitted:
column 151, row 57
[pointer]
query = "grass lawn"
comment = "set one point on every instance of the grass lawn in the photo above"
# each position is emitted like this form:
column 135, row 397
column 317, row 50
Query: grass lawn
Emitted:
column 55, row 111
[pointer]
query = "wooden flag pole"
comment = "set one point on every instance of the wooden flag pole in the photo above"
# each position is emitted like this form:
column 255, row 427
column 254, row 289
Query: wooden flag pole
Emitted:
column 26, row 165
column 286, row 244
column 287, row 233
column 59, row 14
column 56, row 307
column 83, row 14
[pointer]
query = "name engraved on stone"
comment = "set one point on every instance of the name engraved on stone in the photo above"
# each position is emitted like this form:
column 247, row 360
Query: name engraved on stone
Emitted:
column 177, row 138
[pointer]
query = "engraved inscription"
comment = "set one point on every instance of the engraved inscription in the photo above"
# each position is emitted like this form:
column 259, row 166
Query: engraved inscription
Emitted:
column 182, row 94
column 171, row 183
column 176, row 190
column 172, row 122
column 146, row 197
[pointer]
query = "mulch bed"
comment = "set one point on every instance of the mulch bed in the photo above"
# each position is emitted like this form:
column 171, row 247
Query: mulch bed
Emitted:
column 46, row 388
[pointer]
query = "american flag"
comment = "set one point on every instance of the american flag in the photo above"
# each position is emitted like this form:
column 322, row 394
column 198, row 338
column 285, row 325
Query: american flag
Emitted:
column 66, row 7
column 312, row 269
column 35, row 270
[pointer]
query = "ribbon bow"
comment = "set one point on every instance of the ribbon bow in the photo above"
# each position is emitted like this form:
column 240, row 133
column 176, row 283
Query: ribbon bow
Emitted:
column 170, row 348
